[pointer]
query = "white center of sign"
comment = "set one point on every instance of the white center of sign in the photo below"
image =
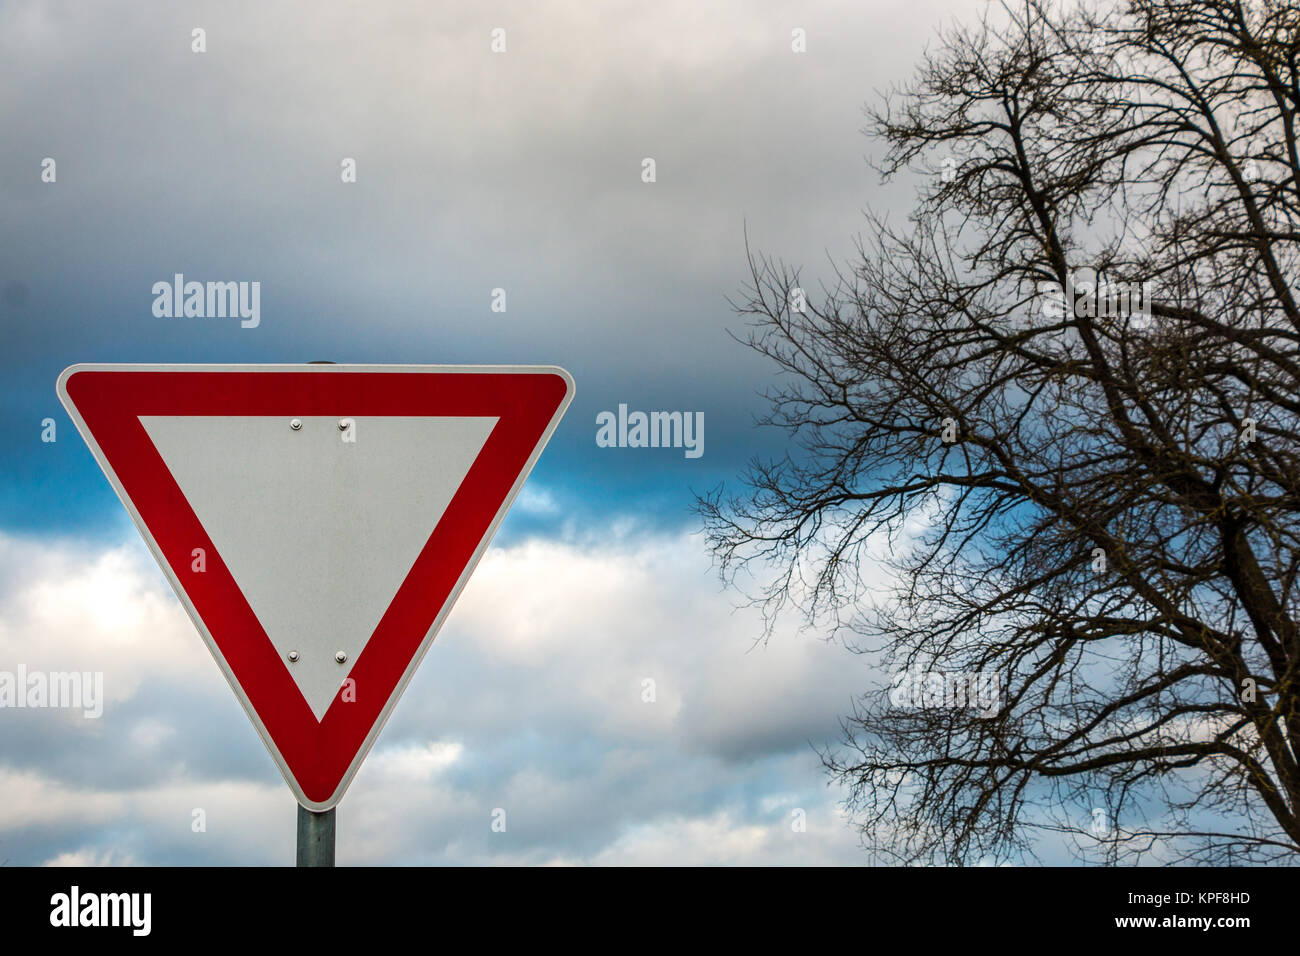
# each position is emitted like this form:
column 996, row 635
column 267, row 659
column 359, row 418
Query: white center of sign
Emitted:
column 319, row 532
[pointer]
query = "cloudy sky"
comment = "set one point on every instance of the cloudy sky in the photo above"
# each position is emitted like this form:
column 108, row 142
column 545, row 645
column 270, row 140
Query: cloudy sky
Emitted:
column 476, row 170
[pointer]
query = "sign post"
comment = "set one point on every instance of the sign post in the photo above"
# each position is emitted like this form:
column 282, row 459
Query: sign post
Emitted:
column 317, row 522
column 315, row 837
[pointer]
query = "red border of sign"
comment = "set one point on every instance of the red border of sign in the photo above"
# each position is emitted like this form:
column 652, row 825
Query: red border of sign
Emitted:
column 318, row 759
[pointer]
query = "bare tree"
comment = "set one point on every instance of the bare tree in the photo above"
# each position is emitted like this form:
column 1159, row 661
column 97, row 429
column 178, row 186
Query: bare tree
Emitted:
column 1087, row 498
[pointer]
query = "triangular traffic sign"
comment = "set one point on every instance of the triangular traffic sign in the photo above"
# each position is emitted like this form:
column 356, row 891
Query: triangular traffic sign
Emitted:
column 317, row 521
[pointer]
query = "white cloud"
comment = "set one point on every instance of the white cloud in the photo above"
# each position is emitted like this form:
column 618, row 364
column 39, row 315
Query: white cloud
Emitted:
column 418, row 762
column 68, row 607
column 538, row 501
column 531, row 700
column 31, row 799
column 90, row 857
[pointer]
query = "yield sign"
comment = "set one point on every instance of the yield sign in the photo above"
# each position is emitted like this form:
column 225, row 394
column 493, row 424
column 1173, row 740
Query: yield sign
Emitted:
column 317, row 521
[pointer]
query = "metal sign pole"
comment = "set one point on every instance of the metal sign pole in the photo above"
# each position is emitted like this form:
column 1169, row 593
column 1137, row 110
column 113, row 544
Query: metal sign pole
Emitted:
column 315, row 837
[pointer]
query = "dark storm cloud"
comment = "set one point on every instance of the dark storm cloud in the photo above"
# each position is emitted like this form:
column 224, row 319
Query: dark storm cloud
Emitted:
column 476, row 171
